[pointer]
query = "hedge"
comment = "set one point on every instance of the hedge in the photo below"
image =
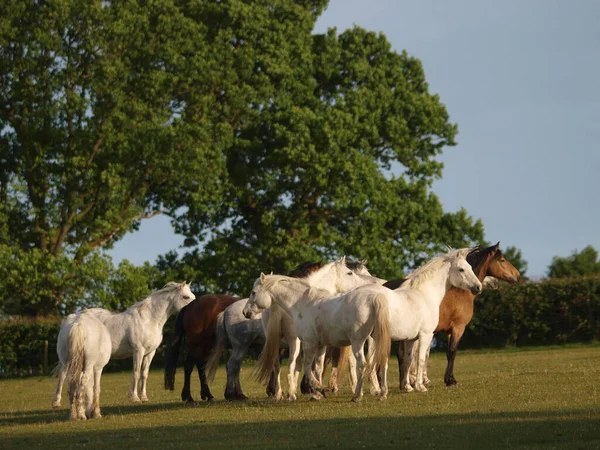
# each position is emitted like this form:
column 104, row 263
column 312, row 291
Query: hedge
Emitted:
column 548, row 312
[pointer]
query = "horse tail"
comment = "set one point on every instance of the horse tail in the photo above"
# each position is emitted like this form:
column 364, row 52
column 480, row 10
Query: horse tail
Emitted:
column 270, row 352
column 173, row 352
column 381, row 332
column 343, row 362
column 76, row 361
column 74, row 368
column 221, row 341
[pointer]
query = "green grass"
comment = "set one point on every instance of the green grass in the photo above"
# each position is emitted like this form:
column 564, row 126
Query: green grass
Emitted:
column 540, row 398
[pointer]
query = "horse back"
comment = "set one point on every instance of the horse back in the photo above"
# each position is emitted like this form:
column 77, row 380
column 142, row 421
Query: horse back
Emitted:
column 200, row 316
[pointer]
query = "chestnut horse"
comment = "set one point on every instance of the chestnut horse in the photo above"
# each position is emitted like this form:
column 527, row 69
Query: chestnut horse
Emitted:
column 456, row 309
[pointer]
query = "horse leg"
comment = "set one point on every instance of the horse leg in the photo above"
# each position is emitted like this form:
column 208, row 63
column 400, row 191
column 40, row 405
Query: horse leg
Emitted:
column 294, row 352
column 145, row 369
column 310, row 353
column 233, row 390
column 204, row 389
column 59, row 385
column 412, row 372
column 333, row 354
column 453, row 340
column 188, row 366
column 373, row 378
column 135, row 378
column 96, row 405
column 405, row 351
column 426, row 380
column 424, row 343
column 352, row 371
column 383, row 382
column 359, row 353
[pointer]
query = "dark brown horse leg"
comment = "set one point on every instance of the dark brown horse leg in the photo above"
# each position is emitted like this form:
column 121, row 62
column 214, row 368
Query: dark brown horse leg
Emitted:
column 453, row 340
column 188, row 366
column 204, row 389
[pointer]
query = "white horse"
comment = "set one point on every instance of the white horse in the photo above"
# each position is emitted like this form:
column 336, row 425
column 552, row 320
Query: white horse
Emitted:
column 137, row 332
column 83, row 348
column 333, row 278
column 321, row 320
column 415, row 307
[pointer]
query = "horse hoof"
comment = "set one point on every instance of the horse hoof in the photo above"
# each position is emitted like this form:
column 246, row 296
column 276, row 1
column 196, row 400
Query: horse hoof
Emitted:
column 56, row 405
column 292, row 398
column 420, row 388
column 383, row 397
column 145, row 399
column 407, row 389
column 135, row 399
column 356, row 399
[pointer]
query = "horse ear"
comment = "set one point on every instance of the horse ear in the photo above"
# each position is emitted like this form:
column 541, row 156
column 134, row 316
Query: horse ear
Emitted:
column 262, row 277
column 364, row 262
column 498, row 244
column 343, row 260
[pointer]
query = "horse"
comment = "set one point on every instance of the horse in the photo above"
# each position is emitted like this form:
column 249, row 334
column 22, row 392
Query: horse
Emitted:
column 234, row 330
column 137, row 332
column 456, row 309
column 84, row 348
column 415, row 306
column 335, row 277
column 321, row 320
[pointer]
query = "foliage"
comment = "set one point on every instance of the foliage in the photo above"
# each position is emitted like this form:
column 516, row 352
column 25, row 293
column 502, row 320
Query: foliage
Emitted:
column 112, row 112
column 579, row 263
column 340, row 161
column 552, row 311
column 22, row 345
column 35, row 282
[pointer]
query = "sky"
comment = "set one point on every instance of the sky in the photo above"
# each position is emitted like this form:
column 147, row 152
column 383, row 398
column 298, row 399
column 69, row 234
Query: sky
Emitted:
column 521, row 78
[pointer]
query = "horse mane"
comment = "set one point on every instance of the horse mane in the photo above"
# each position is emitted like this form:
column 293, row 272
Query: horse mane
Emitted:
column 271, row 280
column 427, row 271
column 305, row 269
column 170, row 286
column 478, row 255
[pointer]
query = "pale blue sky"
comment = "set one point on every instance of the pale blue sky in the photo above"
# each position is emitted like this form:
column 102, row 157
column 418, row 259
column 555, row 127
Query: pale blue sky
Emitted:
column 521, row 79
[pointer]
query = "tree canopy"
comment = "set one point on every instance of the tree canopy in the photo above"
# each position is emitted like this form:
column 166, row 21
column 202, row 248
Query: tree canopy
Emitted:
column 580, row 263
column 267, row 145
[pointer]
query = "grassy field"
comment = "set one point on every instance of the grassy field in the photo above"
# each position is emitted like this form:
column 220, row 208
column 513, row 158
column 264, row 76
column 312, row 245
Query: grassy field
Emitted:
column 534, row 398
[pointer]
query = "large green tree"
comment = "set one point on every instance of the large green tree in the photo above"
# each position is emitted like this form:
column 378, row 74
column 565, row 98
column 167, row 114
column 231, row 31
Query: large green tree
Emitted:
column 580, row 263
column 115, row 111
column 339, row 161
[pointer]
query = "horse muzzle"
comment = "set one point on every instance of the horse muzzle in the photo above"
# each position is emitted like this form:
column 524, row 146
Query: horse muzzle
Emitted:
column 475, row 290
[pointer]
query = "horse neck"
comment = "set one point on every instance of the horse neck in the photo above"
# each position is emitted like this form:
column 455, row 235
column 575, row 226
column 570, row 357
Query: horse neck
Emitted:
column 481, row 271
column 287, row 297
column 322, row 279
column 158, row 307
column 437, row 285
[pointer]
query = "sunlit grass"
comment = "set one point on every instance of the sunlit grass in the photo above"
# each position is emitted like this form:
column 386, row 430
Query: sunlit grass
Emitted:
column 540, row 398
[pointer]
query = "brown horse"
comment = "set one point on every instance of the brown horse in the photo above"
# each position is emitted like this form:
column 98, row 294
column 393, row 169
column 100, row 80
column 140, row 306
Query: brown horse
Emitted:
column 196, row 322
column 456, row 309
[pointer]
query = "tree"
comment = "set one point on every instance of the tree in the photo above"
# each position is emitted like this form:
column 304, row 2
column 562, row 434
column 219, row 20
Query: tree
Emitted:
column 112, row 112
column 580, row 263
column 339, row 162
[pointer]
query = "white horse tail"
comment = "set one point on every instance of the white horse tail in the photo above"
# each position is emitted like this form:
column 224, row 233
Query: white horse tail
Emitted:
column 76, row 361
column 221, row 341
column 381, row 332
column 270, row 352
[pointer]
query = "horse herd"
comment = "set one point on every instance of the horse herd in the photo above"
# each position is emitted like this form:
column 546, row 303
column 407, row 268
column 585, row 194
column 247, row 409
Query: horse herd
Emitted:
column 329, row 310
